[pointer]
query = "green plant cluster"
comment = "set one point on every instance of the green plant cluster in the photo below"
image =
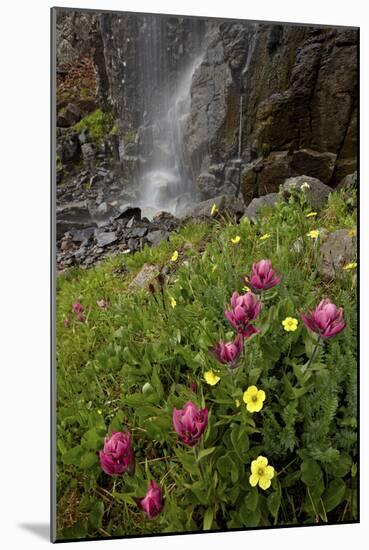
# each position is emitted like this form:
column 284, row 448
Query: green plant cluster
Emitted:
column 126, row 366
column 98, row 124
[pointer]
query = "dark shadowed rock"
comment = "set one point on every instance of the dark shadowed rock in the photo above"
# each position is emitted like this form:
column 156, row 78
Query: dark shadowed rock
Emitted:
column 208, row 185
column 253, row 208
column 348, row 181
column 317, row 193
column 155, row 237
column 314, row 164
column 80, row 235
column 337, row 250
column 129, row 212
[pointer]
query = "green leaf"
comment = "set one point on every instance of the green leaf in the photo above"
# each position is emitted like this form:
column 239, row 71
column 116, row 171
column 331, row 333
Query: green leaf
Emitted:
column 77, row 531
column 92, row 441
column 205, row 452
column 274, row 503
column 73, row 456
column 126, row 497
column 208, row 519
column 342, row 466
column 89, row 460
column 96, row 514
column 311, row 472
column 252, row 499
column 249, row 518
column 334, row 495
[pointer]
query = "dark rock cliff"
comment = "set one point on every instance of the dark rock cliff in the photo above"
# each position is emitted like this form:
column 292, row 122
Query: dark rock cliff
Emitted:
column 267, row 101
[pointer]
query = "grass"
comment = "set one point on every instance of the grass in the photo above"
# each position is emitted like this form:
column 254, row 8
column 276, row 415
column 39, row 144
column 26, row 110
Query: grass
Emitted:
column 140, row 341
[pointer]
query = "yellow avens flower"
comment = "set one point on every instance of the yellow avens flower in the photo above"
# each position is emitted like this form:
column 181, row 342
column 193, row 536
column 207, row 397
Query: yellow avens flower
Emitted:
column 290, row 324
column 254, row 399
column 261, row 473
column 174, row 257
column 236, row 240
column 311, row 214
column 211, row 378
column 352, row 265
column 313, row 234
column 214, row 209
column 265, row 237
column 173, row 302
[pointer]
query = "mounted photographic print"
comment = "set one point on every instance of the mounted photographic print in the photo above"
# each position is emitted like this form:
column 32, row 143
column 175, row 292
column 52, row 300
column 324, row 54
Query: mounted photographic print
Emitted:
column 204, row 240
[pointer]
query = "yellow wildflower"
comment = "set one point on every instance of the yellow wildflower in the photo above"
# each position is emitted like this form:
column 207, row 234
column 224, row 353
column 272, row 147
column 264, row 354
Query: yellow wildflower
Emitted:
column 311, row 214
column 265, row 237
column 236, row 240
column 214, row 210
column 352, row 232
column 313, row 234
column 352, row 265
column 211, row 378
column 173, row 302
column 261, row 473
column 290, row 324
column 254, row 399
column 174, row 257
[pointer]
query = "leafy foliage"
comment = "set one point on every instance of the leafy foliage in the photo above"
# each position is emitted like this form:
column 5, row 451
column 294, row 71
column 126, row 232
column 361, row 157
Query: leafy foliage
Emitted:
column 127, row 366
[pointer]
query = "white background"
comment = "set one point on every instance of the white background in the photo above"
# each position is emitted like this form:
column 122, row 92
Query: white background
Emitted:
column 24, row 272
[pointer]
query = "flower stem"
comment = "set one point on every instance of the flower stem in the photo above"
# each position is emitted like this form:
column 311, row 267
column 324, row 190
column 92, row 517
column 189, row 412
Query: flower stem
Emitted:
column 311, row 360
column 196, row 453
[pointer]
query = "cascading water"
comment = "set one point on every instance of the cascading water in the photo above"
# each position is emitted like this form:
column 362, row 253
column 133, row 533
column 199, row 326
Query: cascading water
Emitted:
column 167, row 184
column 164, row 181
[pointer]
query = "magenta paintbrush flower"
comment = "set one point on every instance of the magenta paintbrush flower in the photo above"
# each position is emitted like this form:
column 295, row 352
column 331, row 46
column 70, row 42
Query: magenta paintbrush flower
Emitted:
column 228, row 352
column 78, row 308
column 152, row 504
column 117, row 456
column 190, row 423
column 326, row 319
column 245, row 308
column 262, row 276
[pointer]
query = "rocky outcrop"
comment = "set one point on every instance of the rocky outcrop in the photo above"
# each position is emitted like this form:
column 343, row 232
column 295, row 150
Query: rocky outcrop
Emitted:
column 299, row 92
column 338, row 250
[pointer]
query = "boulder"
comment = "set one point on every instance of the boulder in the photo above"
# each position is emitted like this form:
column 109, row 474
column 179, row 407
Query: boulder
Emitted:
column 147, row 273
column 224, row 204
column 348, row 181
column 316, row 194
column 208, row 185
column 314, row 164
column 253, row 208
column 105, row 238
column 338, row 249
column 155, row 237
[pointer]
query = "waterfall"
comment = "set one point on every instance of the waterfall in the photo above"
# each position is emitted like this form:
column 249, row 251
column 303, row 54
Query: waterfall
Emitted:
column 164, row 181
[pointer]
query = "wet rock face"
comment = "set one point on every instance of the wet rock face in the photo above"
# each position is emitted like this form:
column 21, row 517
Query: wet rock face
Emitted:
column 299, row 87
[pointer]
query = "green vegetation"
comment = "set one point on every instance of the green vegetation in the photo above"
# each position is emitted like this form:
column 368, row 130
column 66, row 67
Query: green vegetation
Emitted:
column 126, row 366
column 129, row 136
column 98, row 124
